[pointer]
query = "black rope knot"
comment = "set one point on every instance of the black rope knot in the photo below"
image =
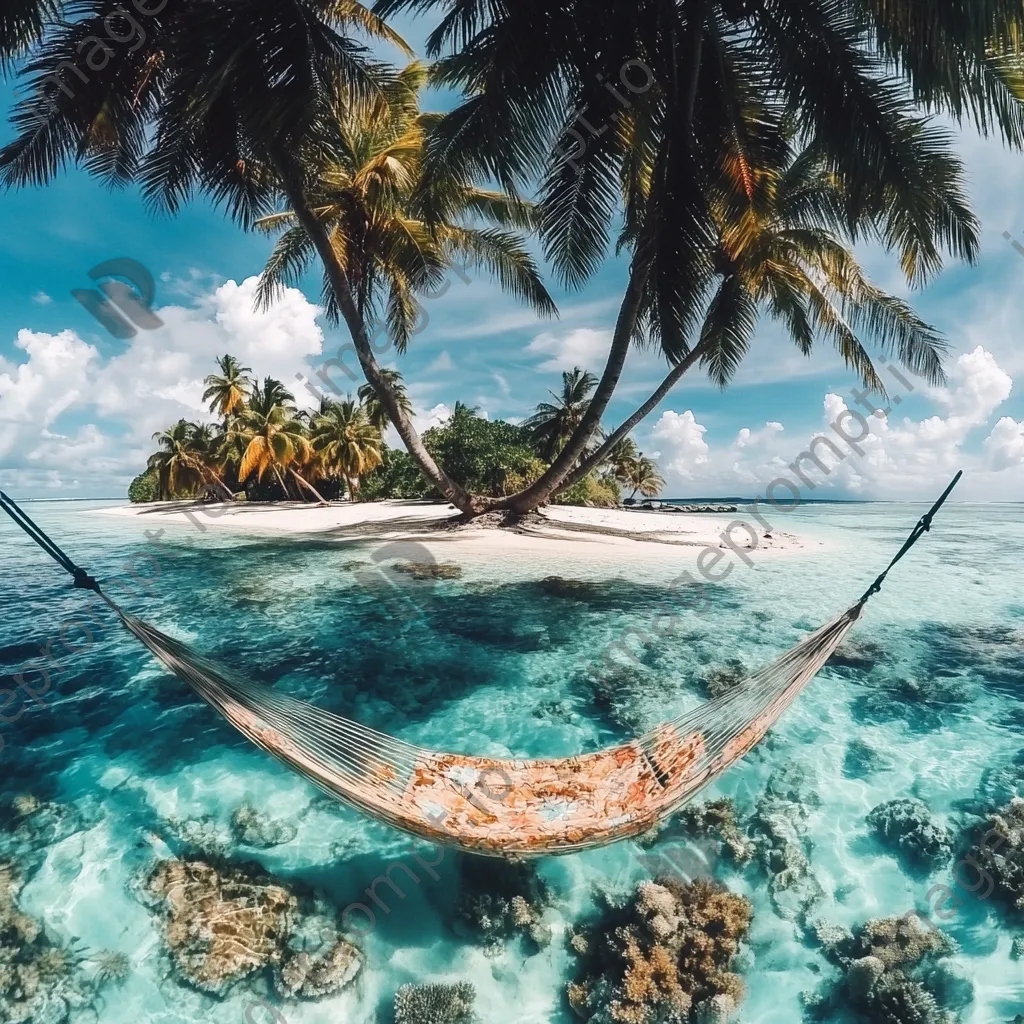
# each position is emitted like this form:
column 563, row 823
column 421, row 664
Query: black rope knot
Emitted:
column 84, row 581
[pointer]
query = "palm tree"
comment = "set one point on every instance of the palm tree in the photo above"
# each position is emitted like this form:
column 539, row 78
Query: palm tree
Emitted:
column 781, row 253
column 553, row 423
column 376, row 410
column 181, row 463
column 227, row 391
column 643, row 476
column 679, row 95
column 619, row 458
column 271, row 437
column 347, row 442
column 384, row 232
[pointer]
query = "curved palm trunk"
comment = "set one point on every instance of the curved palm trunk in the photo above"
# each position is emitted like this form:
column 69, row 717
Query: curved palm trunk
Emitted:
column 456, row 494
column 597, row 457
column 309, row 487
column 629, row 311
column 216, row 480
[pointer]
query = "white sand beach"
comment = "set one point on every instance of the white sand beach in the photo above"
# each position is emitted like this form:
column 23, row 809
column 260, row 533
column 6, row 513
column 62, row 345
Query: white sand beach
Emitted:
column 556, row 531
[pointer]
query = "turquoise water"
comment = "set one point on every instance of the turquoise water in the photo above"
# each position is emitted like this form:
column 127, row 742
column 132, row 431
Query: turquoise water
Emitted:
column 496, row 662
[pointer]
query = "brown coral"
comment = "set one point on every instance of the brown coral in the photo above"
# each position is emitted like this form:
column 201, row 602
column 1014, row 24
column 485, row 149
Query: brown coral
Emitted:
column 664, row 956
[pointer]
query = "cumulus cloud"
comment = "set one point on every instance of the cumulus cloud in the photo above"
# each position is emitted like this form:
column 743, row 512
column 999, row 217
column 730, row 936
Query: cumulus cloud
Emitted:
column 860, row 453
column 72, row 421
column 584, row 347
column 1005, row 445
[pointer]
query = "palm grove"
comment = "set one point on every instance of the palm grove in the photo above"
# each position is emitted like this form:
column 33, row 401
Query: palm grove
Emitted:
column 736, row 151
column 262, row 444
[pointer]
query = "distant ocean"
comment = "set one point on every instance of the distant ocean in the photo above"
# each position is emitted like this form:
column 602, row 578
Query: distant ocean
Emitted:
column 927, row 703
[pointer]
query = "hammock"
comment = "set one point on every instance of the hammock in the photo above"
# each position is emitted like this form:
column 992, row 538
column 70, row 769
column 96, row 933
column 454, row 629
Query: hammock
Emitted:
column 490, row 806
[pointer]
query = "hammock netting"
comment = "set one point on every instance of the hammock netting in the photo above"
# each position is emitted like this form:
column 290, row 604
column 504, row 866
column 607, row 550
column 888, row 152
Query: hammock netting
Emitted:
column 500, row 807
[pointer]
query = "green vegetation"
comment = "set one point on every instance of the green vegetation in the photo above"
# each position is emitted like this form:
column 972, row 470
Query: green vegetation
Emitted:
column 736, row 152
column 268, row 448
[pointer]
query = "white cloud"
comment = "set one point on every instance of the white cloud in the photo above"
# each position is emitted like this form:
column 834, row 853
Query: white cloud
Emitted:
column 41, row 299
column 1005, row 445
column 683, row 438
column 882, row 458
column 583, row 347
column 117, row 404
column 441, row 363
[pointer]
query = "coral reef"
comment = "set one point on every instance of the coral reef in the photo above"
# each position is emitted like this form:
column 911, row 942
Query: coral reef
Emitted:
column 29, row 825
column 894, row 971
column 862, row 760
column 724, row 678
column 998, row 847
column 924, row 706
column 906, row 827
column 783, row 851
column 429, row 570
column 435, row 1004
column 112, row 967
column 716, row 819
column 499, row 899
column 225, row 922
column 662, row 956
column 40, row 978
column 252, row 828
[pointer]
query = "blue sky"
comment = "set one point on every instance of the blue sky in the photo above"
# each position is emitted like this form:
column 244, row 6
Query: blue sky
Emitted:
column 77, row 406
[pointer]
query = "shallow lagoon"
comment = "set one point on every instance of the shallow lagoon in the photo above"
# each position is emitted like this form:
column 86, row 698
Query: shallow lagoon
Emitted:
column 496, row 662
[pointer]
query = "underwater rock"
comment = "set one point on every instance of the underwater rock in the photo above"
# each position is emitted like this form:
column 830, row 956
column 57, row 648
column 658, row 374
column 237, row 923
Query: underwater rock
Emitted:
column 1001, row 784
column 253, row 828
column 500, row 898
column 32, row 825
column 906, row 827
column 199, row 835
column 862, row 976
column 1017, row 949
column 221, row 924
column 435, row 1004
column 40, row 979
column 858, row 654
column 429, row 570
column 224, row 922
column 780, row 821
column 724, row 678
column 862, row 760
column 998, row 847
column 313, row 977
column 924, row 706
column 663, row 956
column 952, row 984
column 579, row 590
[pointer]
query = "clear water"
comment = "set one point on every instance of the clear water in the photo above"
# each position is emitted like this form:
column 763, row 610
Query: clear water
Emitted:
column 495, row 663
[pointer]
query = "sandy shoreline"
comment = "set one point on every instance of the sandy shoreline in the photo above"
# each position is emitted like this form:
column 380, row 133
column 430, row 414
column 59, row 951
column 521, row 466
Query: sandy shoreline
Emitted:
column 558, row 531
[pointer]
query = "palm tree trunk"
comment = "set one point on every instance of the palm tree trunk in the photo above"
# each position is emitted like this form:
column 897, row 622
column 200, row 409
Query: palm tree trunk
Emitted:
column 284, row 486
column 629, row 311
column 338, row 278
column 596, row 457
column 309, row 487
column 220, row 483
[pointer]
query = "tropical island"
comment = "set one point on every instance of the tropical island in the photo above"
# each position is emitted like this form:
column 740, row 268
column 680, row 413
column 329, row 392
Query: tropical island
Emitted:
column 264, row 449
